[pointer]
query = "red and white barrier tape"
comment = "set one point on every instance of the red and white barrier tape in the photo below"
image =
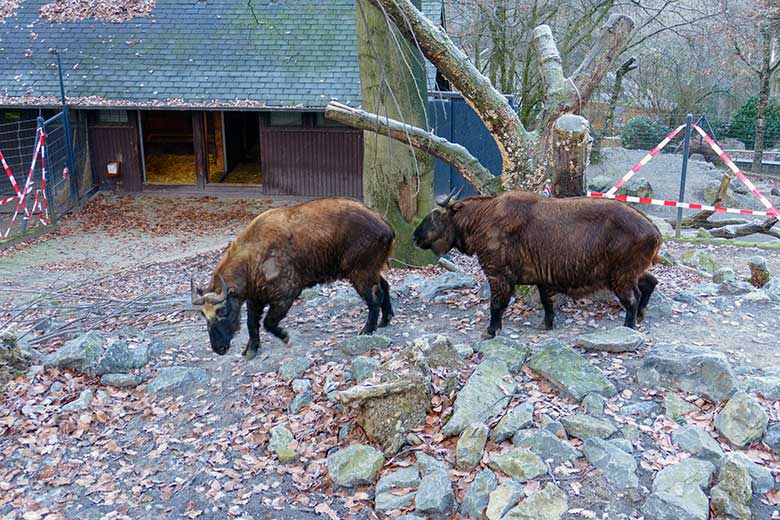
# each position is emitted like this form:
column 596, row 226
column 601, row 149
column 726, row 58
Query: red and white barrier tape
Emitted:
column 40, row 202
column 611, row 194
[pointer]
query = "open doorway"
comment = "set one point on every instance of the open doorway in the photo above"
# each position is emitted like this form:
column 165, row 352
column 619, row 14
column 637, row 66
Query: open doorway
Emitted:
column 169, row 152
column 239, row 158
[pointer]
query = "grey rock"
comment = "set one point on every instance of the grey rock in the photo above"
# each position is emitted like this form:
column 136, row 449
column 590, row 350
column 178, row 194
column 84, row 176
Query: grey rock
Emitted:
column 119, row 358
column 757, row 297
column 503, row 498
column 344, row 431
column 723, row 274
column 439, row 352
column 176, row 379
column 622, row 444
column 435, row 496
column 546, row 444
column 618, row 339
column 675, row 407
column 731, row 495
column 584, row 426
column 477, row 495
column 410, row 517
column 301, row 401
column 511, row 352
column 56, row 387
column 408, row 477
column 34, row 370
column 772, row 289
column 617, row 466
column 358, row 345
column 301, row 385
column 519, row 463
column 772, row 438
column 468, row 451
column 570, row 372
column 364, row 367
column 734, row 288
column 80, row 404
column 659, row 306
column 761, row 478
column 485, row 395
column 697, row 370
column 428, row 464
column 699, row 261
column 641, row 409
column 294, row 369
column 594, row 404
column 742, row 420
column 639, row 187
column 553, row 426
column 448, row 281
column 698, row 443
column 279, row 445
column 463, row 350
column 677, row 492
column 548, row 504
column 354, row 465
column 384, row 502
column 121, row 380
column 768, row 386
column 81, row 354
column 517, row 418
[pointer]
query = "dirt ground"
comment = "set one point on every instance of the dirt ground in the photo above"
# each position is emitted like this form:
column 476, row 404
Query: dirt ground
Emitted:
column 126, row 262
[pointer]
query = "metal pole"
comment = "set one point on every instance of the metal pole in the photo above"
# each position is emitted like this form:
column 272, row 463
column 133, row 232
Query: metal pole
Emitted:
column 686, row 151
column 74, row 184
column 49, row 192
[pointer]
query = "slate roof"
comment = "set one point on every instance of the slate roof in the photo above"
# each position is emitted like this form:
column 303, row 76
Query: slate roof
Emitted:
column 189, row 53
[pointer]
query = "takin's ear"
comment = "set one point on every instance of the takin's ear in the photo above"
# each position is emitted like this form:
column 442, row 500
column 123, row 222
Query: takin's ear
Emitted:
column 456, row 206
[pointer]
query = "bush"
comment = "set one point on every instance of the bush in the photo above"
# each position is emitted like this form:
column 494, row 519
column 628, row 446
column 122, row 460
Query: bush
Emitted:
column 743, row 126
column 643, row 133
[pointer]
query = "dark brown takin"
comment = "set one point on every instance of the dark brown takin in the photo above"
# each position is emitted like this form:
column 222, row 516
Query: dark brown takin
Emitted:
column 574, row 246
column 285, row 250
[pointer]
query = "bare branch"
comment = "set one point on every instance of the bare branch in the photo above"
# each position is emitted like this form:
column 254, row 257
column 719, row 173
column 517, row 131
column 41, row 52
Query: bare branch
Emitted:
column 466, row 164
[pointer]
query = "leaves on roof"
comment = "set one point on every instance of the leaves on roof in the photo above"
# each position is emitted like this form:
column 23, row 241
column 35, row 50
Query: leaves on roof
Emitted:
column 103, row 10
column 8, row 8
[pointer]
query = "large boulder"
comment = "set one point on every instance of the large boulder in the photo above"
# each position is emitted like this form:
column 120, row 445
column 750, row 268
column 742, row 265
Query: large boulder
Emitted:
column 731, row 495
column 584, row 426
column 81, row 354
column 698, row 443
column 355, row 465
column 570, row 372
column 485, row 395
column 471, row 444
column 742, row 421
column 546, row 444
column 677, row 492
column 119, row 358
column 698, row 370
column 618, row 339
column 503, row 349
column 170, row 379
column 519, row 463
column 435, row 497
column 617, row 466
column 477, row 495
column 548, row 504
column 517, row 418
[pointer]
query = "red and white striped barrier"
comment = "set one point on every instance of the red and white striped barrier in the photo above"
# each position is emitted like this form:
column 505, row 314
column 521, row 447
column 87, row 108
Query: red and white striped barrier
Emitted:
column 40, row 202
column 611, row 194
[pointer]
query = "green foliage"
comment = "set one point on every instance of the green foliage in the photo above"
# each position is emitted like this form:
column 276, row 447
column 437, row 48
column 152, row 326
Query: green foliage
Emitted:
column 743, row 126
column 643, row 133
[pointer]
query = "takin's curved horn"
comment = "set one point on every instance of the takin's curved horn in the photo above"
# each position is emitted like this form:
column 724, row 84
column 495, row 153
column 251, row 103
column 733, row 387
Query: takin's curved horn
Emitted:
column 197, row 299
column 218, row 298
column 444, row 200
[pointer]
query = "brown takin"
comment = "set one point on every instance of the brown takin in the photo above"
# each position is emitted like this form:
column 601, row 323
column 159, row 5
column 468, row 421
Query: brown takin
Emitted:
column 285, row 250
column 574, row 246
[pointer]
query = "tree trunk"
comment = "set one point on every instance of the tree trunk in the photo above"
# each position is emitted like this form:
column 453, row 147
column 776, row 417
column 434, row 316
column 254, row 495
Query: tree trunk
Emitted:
column 571, row 152
column 397, row 180
column 764, row 79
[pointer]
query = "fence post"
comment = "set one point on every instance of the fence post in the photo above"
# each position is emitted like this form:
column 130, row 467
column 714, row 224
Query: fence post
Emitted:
column 74, row 184
column 686, row 151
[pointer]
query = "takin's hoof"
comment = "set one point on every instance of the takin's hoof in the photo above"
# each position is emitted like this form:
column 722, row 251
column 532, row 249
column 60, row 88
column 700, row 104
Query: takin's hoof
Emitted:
column 489, row 334
column 367, row 331
column 385, row 321
column 640, row 317
column 249, row 353
column 546, row 326
column 284, row 337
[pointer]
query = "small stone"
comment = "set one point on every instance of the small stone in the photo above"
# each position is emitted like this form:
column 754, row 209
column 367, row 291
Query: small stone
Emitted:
column 355, row 465
column 428, row 464
column 698, row 443
column 584, row 426
column 594, row 404
column 759, row 273
column 439, row 352
column 723, row 274
column 772, row 289
column 468, row 451
column 279, row 445
column 408, row 477
column 742, row 421
column 757, row 297
column 553, row 426
column 56, row 387
column 511, row 352
column 699, row 261
column 301, row 401
column 641, row 409
column 622, row 444
column 659, row 306
column 772, row 438
column 677, row 492
column 176, row 378
column 384, row 502
column 121, row 380
column 344, row 431
column 464, row 350
column 548, row 504
column 617, row 466
column 761, row 478
column 546, row 444
column 435, row 496
column 477, row 495
column 731, row 495
column 675, row 407
column 294, row 369
column 519, row 463
column 448, row 281
column 619, row 339
column 768, row 386
column 503, row 498
column 80, row 404
column 517, row 418
column 734, row 288
column 698, row 370
column 630, row 432
column 570, row 372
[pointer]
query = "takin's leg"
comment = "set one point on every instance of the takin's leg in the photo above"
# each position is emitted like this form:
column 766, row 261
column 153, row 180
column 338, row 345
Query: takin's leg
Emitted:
column 276, row 313
column 545, row 295
column 371, row 292
column 500, row 294
column 254, row 311
column 387, row 306
column 630, row 302
column 647, row 285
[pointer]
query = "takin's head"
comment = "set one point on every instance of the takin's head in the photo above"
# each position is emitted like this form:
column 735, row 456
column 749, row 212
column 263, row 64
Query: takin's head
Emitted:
column 437, row 231
column 222, row 312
